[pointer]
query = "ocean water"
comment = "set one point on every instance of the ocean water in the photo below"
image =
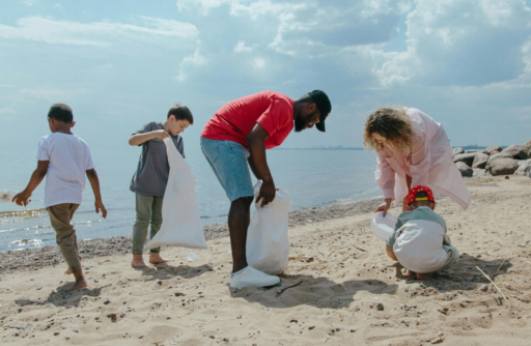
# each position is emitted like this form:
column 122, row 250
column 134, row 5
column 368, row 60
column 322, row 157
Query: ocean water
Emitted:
column 312, row 177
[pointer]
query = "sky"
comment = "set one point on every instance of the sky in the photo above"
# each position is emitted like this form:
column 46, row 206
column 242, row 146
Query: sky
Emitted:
column 122, row 63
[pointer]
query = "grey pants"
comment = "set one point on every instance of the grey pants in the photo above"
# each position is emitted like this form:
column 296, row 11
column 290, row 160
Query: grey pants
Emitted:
column 65, row 234
column 148, row 211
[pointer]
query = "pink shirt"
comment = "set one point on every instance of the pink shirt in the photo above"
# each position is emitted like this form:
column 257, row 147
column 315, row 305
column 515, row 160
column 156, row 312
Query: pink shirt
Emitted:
column 235, row 120
column 428, row 162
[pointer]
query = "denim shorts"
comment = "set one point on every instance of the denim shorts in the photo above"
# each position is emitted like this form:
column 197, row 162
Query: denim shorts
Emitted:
column 229, row 161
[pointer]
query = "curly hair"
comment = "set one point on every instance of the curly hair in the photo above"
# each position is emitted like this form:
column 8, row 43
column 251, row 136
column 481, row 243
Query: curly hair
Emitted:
column 391, row 123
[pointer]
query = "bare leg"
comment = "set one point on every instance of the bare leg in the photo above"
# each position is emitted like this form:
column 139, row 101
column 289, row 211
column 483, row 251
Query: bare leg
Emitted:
column 80, row 279
column 239, row 216
column 138, row 261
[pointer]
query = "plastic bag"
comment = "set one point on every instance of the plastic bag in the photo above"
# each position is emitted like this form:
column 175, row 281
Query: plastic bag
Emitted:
column 383, row 226
column 181, row 224
column 267, row 237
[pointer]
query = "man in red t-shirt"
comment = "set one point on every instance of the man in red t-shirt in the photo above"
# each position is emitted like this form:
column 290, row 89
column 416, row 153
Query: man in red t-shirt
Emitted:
column 237, row 135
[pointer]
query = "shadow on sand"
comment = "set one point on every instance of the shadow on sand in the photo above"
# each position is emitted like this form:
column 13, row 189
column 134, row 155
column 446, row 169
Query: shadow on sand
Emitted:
column 167, row 271
column 464, row 274
column 63, row 296
column 320, row 292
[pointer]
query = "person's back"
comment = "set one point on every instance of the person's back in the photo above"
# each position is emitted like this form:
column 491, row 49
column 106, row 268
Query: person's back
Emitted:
column 64, row 159
column 235, row 120
column 420, row 243
column 69, row 158
column 419, row 238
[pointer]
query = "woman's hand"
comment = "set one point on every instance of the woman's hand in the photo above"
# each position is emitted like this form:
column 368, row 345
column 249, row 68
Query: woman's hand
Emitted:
column 385, row 206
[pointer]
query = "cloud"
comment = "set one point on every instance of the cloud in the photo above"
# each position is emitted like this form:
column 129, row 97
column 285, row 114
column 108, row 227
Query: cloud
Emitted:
column 242, row 47
column 101, row 34
column 194, row 60
column 455, row 42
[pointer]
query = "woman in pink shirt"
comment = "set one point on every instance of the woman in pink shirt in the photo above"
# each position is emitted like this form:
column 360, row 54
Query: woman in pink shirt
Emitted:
column 413, row 149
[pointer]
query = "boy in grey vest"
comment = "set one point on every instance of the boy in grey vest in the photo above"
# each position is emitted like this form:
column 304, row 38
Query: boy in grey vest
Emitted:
column 151, row 176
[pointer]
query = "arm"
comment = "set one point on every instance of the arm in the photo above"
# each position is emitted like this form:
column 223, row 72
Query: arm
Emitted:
column 256, row 139
column 95, row 184
column 385, row 177
column 22, row 198
column 141, row 138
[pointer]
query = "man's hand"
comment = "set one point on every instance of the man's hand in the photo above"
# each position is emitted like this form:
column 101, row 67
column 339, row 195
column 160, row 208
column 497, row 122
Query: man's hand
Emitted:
column 22, row 198
column 384, row 207
column 100, row 208
column 266, row 194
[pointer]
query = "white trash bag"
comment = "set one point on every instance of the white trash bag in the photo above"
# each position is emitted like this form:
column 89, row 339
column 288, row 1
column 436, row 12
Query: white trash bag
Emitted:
column 181, row 224
column 383, row 226
column 267, row 236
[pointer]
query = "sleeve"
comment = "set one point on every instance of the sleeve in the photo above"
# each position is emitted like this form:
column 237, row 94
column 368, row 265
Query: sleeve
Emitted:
column 275, row 116
column 43, row 151
column 385, row 177
column 399, row 222
column 89, row 164
column 147, row 128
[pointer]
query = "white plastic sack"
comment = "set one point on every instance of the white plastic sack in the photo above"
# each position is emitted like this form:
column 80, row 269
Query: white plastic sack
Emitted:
column 181, row 225
column 383, row 226
column 267, row 237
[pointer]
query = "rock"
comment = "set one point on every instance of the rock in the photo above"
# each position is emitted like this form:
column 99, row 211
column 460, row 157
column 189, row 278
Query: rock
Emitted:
column 467, row 158
column 493, row 149
column 495, row 157
column 458, row 150
column 524, row 167
column 528, row 149
column 480, row 160
column 516, row 151
column 464, row 169
column 502, row 166
column 479, row 172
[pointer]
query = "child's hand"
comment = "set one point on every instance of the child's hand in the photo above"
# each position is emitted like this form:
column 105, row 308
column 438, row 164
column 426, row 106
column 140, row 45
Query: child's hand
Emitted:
column 161, row 134
column 100, row 208
column 22, row 198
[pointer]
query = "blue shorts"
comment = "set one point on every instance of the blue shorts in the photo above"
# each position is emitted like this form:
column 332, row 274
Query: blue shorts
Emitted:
column 229, row 161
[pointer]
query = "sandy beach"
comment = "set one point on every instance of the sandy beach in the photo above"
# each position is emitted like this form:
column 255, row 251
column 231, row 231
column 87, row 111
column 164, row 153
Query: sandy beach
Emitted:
column 339, row 288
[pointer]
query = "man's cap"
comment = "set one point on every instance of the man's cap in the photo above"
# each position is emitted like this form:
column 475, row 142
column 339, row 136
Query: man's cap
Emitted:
column 323, row 105
column 419, row 193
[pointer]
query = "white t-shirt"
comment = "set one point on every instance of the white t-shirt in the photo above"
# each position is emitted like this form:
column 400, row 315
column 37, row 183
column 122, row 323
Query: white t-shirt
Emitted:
column 69, row 158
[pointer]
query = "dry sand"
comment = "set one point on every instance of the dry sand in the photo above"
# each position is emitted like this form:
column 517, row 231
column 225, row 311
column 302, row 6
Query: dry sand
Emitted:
column 344, row 289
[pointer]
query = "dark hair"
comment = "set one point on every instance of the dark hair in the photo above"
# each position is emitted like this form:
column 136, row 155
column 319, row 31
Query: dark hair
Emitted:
column 181, row 112
column 61, row 112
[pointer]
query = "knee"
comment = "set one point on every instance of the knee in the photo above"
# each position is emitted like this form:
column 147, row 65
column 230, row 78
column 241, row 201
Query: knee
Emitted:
column 242, row 204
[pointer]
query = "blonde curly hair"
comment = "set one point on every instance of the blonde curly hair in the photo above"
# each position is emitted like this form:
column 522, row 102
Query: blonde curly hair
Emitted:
column 391, row 123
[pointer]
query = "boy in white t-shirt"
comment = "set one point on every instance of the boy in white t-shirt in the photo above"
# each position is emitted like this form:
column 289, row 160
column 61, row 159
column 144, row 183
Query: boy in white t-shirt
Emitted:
column 420, row 243
column 65, row 160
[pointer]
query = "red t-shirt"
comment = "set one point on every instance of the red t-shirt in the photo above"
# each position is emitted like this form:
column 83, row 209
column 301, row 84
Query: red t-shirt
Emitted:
column 235, row 120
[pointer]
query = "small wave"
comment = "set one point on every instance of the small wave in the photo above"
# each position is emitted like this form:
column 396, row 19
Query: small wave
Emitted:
column 22, row 244
column 23, row 213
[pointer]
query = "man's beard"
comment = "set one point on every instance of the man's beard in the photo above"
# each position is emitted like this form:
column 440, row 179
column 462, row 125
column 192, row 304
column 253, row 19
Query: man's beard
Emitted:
column 300, row 124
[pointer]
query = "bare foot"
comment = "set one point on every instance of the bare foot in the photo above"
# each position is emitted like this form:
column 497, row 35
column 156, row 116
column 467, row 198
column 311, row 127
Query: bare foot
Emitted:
column 156, row 260
column 138, row 262
column 80, row 284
